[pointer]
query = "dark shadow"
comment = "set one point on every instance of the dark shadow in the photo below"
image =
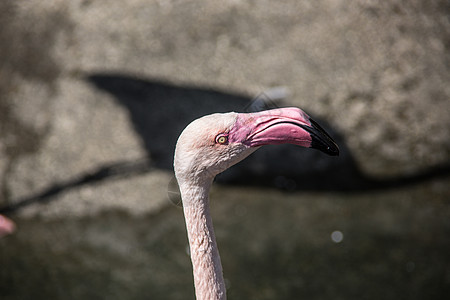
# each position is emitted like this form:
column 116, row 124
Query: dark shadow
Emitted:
column 160, row 111
column 114, row 171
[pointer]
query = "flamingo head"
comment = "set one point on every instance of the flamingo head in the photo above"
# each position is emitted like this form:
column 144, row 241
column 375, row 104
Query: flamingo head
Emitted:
column 213, row 143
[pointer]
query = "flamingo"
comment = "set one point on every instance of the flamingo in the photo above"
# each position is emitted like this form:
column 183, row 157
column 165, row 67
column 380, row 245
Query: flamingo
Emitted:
column 213, row 143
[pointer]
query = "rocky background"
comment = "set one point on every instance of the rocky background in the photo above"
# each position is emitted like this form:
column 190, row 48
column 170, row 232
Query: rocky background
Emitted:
column 74, row 147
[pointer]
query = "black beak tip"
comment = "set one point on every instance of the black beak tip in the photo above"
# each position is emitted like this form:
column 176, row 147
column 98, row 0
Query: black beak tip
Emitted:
column 321, row 140
column 328, row 147
column 335, row 151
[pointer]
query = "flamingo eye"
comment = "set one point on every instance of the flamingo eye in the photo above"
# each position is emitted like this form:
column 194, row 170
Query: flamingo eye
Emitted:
column 222, row 139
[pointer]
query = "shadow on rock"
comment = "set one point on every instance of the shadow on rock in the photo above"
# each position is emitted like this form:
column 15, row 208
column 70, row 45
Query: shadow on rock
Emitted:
column 159, row 112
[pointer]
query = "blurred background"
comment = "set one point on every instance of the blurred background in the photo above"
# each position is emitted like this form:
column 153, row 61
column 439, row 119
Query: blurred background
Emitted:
column 93, row 95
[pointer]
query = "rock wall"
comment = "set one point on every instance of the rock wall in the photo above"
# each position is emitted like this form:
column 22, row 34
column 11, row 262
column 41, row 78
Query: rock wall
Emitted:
column 378, row 72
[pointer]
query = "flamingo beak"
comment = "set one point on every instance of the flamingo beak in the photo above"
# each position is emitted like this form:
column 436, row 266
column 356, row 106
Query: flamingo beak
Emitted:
column 282, row 126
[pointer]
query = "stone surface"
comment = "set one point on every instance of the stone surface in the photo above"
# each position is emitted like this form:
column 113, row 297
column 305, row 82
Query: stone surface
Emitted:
column 378, row 72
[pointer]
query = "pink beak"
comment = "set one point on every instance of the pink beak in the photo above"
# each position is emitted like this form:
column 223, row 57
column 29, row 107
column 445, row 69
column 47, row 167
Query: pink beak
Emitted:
column 281, row 126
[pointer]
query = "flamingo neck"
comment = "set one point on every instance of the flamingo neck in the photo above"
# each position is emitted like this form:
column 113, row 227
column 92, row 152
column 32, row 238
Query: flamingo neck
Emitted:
column 207, row 269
